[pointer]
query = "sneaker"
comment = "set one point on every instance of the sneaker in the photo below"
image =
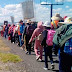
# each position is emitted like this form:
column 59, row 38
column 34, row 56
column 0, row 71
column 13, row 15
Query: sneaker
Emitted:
column 26, row 52
column 45, row 68
column 52, row 66
column 37, row 57
column 40, row 60
column 21, row 48
column 13, row 42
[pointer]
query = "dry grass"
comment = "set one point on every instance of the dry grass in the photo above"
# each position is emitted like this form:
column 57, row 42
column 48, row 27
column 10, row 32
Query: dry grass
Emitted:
column 3, row 47
column 5, row 56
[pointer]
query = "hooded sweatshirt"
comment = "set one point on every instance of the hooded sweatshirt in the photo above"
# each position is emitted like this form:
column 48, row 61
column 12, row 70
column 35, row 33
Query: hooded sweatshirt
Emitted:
column 37, row 31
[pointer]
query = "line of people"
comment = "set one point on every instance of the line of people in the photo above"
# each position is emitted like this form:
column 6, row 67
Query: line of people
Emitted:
column 50, row 37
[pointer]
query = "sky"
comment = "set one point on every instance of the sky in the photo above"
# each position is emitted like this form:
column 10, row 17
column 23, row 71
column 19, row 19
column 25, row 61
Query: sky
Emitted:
column 41, row 12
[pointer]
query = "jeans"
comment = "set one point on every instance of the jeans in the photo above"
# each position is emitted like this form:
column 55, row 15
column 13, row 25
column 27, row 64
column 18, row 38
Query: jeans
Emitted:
column 48, row 52
column 20, row 37
column 28, row 46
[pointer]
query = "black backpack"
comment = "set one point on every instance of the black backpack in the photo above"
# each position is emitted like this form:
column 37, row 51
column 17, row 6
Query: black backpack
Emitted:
column 29, row 30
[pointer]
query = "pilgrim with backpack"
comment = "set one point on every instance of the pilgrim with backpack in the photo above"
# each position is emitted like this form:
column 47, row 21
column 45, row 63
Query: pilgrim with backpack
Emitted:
column 28, row 30
column 47, row 43
column 63, row 41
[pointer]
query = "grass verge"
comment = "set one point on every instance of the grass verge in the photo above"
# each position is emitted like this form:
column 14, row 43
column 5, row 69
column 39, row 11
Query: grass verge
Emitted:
column 8, row 57
column 5, row 56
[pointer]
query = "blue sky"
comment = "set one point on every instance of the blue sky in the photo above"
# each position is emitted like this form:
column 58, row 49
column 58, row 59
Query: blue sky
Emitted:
column 13, row 7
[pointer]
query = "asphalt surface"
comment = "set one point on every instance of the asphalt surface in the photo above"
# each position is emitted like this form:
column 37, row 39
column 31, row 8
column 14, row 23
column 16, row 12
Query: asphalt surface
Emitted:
column 29, row 61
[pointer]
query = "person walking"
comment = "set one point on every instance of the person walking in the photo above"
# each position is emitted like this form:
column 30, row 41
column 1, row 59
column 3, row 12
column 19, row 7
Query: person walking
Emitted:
column 47, row 48
column 37, row 44
column 20, row 31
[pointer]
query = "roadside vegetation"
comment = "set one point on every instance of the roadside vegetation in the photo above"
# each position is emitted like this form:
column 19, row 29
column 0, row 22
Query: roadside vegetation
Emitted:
column 5, row 56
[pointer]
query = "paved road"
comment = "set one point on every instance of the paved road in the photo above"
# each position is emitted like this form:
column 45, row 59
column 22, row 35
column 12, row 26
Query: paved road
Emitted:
column 29, row 60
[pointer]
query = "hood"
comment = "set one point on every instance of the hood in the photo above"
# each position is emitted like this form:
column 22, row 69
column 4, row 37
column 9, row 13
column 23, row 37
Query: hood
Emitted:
column 39, row 25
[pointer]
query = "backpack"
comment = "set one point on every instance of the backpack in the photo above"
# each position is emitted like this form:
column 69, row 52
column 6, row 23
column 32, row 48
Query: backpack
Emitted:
column 6, row 28
column 68, row 47
column 40, row 37
column 29, row 30
column 62, row 34
column 50, row 36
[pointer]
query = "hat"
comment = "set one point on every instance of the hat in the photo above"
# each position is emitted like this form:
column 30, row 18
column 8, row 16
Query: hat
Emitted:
column 47, row 24
column 28, row 21
column 20, row 21
column 65, row 17
column 57, row 17
column 68, row 20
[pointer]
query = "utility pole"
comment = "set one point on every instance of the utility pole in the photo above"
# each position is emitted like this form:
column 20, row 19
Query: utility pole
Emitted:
column 51, row 5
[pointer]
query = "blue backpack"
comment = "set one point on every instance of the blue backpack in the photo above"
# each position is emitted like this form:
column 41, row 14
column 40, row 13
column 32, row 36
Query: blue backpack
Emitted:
column 68, row 47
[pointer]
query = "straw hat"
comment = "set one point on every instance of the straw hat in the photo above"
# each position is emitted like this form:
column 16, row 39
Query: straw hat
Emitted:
column 57, row 17
column 28, row 21
column 47, row 24
column 68, row 20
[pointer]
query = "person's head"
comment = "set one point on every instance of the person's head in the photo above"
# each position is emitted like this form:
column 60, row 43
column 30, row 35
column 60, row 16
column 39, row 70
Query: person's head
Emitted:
column 57, row 17
column 46, row 25
column 21, row 22
column 40, row 25
column 65, row 17
column 68, row 20
column 29, row 21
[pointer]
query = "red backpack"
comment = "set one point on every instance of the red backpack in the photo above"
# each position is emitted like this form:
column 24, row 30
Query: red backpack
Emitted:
column 50, row 35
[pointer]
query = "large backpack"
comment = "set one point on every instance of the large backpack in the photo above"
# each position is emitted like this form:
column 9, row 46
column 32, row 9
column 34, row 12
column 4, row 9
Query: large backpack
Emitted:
column 62, row 34
column 29, row 30
column 68, row 47
column 50, row 36
column 40, row 37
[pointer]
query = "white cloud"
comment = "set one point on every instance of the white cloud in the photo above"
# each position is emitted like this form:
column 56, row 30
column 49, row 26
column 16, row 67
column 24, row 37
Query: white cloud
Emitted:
column 44, row 3
column 58, row 0
column 69, row 0
column 10, row 7
column 57, row 10
column 67, row 6
column 42, row 13
column 11, row 10
column 70, row 10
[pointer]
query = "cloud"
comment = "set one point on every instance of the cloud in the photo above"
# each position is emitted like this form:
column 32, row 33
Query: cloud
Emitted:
column 57, row 10
column 45, row 3
column 70, row 10
column 69, row 0
column 67, row 6
column 11, row 10
column 10, row 7
column 42, row 13
column 58, row 0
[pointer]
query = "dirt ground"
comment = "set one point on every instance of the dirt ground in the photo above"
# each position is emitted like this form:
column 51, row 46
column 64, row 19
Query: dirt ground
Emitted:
column 28, row 63
column 10, row 66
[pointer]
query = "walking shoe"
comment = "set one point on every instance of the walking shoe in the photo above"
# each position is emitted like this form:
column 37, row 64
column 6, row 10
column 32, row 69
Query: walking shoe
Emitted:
column 45, row 68
column 52, row 66
column 37, row 57
column 40, row 60
column 21, row 48
column 26, row 52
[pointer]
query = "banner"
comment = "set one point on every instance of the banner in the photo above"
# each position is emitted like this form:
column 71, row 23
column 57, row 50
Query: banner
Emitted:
column 12, row 19
column 27, row 9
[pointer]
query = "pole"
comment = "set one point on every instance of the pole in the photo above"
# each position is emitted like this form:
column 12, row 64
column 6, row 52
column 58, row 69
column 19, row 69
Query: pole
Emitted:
column 51, row 8
column 51, row 12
